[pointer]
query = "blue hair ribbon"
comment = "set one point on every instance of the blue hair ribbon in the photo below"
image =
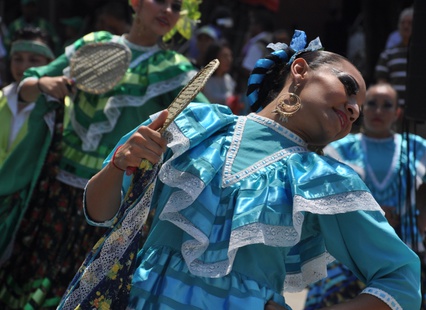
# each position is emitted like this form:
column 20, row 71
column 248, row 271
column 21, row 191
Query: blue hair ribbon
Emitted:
column 282, row 53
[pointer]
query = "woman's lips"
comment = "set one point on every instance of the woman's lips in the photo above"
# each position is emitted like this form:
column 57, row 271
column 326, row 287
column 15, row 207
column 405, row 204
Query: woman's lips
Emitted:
column 342, row 118
column 163, row 21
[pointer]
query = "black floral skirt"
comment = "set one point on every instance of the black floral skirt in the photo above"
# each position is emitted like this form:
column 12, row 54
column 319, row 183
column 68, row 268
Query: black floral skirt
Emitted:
column 52, row 240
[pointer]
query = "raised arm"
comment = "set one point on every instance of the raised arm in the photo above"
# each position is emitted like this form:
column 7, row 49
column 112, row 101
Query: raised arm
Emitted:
column 48, row 79
column 103, row 192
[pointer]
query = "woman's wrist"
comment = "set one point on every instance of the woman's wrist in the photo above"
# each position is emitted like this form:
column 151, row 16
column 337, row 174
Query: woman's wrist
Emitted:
column 113, row 160
column 39, row 86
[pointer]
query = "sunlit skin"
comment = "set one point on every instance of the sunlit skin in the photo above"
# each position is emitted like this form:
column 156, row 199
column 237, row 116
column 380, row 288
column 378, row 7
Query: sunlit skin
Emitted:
column 380, row 111
column 331, row 100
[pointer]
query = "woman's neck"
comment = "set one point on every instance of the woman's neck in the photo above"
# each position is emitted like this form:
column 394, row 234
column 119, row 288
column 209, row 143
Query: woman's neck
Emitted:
column 139, row 37
column 378, row 135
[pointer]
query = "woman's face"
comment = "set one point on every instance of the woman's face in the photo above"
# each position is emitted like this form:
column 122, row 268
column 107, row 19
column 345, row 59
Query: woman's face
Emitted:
column 331, row 96
column 21, row 61
column 158, row 17
column 380, row 111
column 225, row 59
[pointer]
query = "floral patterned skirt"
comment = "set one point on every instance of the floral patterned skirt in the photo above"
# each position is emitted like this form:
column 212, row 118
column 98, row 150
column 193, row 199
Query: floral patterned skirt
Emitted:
column 52, row 242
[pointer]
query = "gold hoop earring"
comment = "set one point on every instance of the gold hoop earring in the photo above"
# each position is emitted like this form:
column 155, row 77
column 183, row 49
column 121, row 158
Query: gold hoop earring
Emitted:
column 286, row 107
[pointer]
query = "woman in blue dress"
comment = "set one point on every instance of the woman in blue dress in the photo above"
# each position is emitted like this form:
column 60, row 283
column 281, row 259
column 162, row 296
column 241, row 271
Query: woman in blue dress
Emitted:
column 393, row 167
column 243, row 210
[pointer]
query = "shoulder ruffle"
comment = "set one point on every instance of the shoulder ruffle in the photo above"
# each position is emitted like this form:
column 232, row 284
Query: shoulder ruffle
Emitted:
column 265, row 207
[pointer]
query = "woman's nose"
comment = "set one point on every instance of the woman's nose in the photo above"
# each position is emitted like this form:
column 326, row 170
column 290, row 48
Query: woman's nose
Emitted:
column 353, row 110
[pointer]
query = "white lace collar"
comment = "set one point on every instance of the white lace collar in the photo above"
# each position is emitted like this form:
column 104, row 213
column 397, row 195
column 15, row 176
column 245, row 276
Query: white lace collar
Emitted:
column 278, row 128
column 229, row 177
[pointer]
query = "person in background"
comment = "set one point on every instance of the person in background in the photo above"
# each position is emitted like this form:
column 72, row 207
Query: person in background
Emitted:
column 260, row 33
column 241, row 210
column 220, row 20
column 393, row 167
column 73, row 27
column 204, row 37
column 31, row 47
column 30, row 17
column 220, row 87
column 114, row 17
column 3, row 55
column 282, row 35
column 391, row 66
column 53, row 237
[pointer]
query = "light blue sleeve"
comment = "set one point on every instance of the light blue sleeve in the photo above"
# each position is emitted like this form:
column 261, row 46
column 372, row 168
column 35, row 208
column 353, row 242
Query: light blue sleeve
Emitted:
column 369, row 246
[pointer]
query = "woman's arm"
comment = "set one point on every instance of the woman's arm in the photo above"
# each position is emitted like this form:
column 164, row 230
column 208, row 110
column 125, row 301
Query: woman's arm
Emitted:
column 57, row 87
column 47, row 79
column 103, row 192
column 364, row 241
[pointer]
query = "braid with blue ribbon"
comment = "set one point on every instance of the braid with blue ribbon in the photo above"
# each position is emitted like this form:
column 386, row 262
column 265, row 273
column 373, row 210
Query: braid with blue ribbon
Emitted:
column 282, row 54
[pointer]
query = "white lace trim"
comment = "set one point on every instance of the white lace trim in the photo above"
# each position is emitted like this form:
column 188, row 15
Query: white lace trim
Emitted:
column 71, row 179
column 278, row 128
column 190, row 188
column 112, row 250
column 91, row 136
column 335, row 204
column 228, row 178
column 312, row 271
column 49, row 118
column 382, row 295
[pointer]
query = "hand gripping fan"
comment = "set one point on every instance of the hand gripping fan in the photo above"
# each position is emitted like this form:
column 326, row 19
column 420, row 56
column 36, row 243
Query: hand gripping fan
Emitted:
column 185, row 96
column 106, row 274
column 188, row 93
column 97, row 67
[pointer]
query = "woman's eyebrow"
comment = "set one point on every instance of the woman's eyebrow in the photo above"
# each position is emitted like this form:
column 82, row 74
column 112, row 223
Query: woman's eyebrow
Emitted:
column 348, row 81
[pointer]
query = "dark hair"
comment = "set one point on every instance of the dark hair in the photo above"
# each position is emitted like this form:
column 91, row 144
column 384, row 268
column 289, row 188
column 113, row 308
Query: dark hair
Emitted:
column 33, row 33
column 117, row 9
column 213, row 51
column 275, row 78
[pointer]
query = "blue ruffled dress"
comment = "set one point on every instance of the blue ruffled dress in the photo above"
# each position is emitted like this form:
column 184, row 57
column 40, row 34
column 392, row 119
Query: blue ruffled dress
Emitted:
column 245, row 212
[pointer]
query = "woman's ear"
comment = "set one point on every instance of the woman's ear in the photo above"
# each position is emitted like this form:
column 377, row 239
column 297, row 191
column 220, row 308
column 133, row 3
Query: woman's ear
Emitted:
column 398, row 113
column 135, row 4
column 299, row 68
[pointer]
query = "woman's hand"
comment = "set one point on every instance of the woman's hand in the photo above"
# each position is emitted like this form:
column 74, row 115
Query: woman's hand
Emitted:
column 55, row 86
column 103, row 192
column 146, row 143
column 391, row 216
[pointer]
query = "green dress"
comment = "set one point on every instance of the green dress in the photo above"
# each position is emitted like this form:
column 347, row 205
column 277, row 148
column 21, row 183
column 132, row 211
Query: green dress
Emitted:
column 53, row 238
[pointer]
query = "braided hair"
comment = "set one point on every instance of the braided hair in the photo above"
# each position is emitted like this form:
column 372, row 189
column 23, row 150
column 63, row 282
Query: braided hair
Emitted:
column 270, row 73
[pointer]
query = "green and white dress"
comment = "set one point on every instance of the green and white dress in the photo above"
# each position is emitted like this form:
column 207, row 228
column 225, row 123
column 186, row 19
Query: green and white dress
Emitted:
column 53, row 238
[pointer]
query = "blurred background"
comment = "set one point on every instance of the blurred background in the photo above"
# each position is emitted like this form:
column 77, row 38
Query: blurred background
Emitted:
column 334, row 21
